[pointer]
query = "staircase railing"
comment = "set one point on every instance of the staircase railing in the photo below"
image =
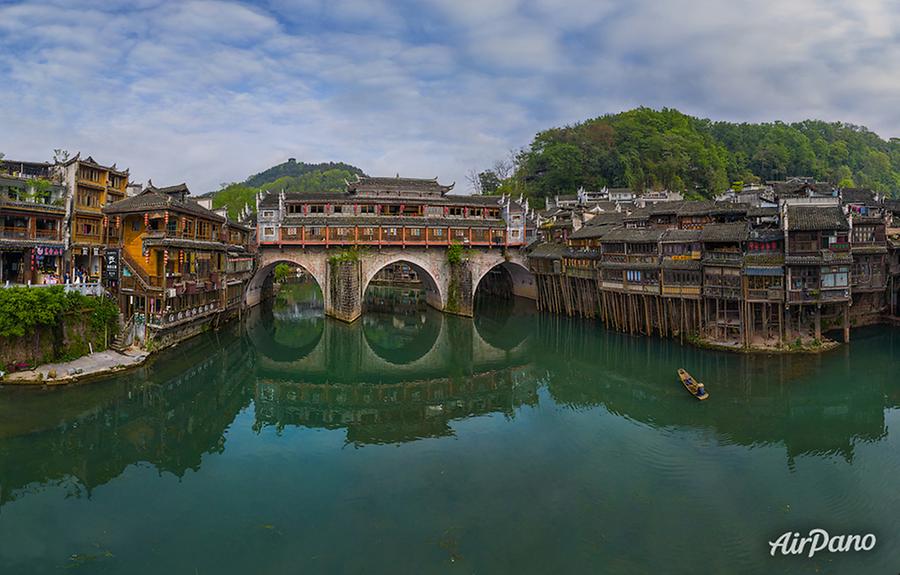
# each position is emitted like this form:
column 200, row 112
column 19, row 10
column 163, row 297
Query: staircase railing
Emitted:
column 137, row 271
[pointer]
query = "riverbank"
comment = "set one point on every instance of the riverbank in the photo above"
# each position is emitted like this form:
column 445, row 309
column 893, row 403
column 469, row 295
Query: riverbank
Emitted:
column 86, row 367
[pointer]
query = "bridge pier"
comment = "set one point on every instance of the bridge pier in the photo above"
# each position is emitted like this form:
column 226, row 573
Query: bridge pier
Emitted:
column 345, row 291
column 460, row 290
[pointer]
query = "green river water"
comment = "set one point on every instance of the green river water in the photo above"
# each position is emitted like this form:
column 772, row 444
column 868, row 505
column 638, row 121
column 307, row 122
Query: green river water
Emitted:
column 414, row 442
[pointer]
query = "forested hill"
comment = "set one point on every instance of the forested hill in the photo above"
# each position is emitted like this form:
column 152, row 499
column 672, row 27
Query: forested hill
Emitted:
column 646, row 148
column 291, row 176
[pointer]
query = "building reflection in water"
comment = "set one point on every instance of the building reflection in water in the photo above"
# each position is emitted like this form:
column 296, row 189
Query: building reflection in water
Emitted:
column 811, row 404
column 387, row 382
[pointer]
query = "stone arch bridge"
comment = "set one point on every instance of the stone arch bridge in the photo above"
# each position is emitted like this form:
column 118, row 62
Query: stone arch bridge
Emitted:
column 448, row 287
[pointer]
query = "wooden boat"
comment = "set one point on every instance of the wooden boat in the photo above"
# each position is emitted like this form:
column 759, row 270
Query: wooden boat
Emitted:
column 692, row 385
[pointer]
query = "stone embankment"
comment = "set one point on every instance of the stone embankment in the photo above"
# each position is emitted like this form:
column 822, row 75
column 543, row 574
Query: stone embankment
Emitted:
column 86, row 367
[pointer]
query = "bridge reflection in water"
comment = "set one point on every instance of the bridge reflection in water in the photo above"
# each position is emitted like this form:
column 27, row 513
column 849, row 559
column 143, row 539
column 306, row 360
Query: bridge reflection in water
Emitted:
column 390, row 382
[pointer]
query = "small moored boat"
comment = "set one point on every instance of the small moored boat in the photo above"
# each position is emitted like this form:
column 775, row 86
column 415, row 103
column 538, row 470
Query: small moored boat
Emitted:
column 694, row 387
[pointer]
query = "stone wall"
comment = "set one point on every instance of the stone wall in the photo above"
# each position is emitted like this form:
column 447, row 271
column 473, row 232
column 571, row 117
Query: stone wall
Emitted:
column 45, row 344
column 345, row 290
column 460, row 290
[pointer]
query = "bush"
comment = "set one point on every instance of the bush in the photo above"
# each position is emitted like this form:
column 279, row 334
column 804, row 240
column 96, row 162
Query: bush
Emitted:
column 22, row 309
column 455, row 253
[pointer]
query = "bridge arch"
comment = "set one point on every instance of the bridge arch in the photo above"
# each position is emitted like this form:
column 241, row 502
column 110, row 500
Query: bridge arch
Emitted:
column 523, row 283
column 430, row 273
column 265, row 273
column 401, row 340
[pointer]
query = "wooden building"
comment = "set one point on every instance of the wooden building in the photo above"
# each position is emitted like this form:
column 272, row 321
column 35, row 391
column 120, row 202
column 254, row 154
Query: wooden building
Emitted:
column 91, row 187
column 818, row 261
column 180, row 263
column 391, row 212
column 32, row 224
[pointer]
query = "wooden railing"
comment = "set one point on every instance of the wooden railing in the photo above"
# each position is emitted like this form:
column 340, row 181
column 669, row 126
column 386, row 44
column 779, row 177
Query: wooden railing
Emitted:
column 14, row 232
column 812, row 296
column 765, row 294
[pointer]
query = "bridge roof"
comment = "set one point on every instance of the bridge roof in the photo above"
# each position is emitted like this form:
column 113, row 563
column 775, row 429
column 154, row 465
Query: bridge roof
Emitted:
column 271, row 199
column 377, row 185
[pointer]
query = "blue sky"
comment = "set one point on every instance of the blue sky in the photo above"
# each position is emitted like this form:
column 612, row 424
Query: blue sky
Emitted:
column 211, row 91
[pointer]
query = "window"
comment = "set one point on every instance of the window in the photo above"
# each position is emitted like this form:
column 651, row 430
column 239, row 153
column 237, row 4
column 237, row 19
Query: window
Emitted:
column 804, row 278
column 458, row 212
column 269, row 231
column 415, row 232
column 292, row 231
column 837, row 277
column 863, row 234
column 88, row 228
column 367, row 209
column 437, row 232
column 317, row 209
column 268, row 214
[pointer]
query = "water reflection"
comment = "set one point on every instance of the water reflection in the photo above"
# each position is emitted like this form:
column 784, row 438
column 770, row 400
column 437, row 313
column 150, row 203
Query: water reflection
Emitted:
column 168, row 414
column 419, row 375
column 813, row 405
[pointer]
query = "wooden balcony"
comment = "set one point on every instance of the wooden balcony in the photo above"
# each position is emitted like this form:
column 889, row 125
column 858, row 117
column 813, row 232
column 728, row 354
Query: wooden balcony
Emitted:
column 642, row 288
column 723, row 258
column 15, row 233
column 722, row 292
column 818, row 296
column 692, row 291
column 766, row 295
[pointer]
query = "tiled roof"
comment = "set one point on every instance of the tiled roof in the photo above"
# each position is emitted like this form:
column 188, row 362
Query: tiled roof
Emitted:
column 761, row 211
column 731, row 232
column 591, row 231
column 697, row 208
column 547, row 251
column 634, row 236
column 857, row 196
column 605, row 218
column 812, row 218
column 397, row 184
column 152, row 199
column 892, row 206
column 680, row 236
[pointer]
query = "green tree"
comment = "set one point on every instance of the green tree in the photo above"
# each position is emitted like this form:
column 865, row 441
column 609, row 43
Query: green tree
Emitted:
column 282, row 272
column 490, row 182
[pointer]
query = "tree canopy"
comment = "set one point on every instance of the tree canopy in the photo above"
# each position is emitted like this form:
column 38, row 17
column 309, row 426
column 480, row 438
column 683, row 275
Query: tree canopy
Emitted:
column 290, row 176
column 666, row 149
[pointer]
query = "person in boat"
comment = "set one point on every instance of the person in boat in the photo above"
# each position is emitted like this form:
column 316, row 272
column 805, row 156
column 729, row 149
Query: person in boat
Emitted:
column 700, row 389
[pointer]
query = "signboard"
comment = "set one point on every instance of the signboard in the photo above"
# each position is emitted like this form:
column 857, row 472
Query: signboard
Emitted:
column 111, row 273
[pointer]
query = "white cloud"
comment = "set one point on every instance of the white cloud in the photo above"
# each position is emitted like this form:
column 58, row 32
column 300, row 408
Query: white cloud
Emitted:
column 210, row 91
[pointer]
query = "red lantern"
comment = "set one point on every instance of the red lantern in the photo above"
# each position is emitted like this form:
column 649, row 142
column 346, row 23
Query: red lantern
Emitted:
column 105, row 221
column 165, row 257
column 147, row 257
column 146, row 220
column 118, row 222
column 166, row 218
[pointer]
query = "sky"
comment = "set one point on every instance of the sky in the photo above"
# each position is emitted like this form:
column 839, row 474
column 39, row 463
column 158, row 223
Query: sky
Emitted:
column 207, row 92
